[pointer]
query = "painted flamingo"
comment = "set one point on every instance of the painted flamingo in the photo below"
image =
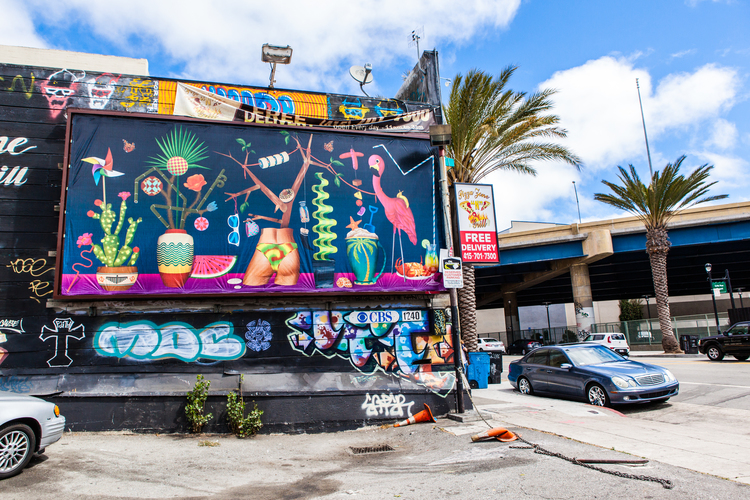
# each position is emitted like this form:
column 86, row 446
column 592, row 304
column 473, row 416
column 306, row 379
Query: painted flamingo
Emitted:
column 397, row 209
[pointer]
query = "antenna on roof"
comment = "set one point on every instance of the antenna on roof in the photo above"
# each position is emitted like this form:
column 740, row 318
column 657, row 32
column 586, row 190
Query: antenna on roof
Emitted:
column 363, row 75
column 414, row 38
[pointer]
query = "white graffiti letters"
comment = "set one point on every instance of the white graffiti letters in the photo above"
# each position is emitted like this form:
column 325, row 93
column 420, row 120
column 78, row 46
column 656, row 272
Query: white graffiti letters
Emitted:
column 61, row 334
column 388, row 405
column 145, row 340
column 10, row 147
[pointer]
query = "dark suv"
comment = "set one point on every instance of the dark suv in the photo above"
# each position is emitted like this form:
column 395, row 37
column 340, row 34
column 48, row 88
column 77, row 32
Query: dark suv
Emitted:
column 522, row 346
column 735, row 341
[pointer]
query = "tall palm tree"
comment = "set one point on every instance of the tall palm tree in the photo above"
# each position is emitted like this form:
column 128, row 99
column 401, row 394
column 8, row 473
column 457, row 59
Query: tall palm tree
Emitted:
column 668, row 194
column 496, row 128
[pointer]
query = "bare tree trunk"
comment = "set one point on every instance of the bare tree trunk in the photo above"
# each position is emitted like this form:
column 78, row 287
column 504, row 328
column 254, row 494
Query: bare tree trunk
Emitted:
column 657, row 246
column 467, row 302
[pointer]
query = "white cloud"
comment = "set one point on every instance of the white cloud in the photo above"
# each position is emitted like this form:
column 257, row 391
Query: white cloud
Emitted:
column 683, row 53
column 222, row 42
column 730, row 171
column 723, row 135
column 598, row 104
column 18, row 28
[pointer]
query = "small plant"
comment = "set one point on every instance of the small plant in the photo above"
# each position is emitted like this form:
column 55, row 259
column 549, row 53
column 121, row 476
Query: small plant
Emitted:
column 196, row 405
column 239, row 424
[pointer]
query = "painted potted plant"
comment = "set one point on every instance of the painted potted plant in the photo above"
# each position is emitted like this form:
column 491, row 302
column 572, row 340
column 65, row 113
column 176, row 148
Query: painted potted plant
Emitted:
column 175, row 249
column 118, row 272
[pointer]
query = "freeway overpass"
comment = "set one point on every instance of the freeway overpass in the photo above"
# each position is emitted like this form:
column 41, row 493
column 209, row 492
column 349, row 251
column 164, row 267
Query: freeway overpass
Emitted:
column 607, row 260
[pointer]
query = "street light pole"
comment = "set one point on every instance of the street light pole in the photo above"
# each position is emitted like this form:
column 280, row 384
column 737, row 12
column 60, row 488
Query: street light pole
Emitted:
column 713, row 296
column 549, row 328
column 648, row 315
column 729, row 285
column 739, row 292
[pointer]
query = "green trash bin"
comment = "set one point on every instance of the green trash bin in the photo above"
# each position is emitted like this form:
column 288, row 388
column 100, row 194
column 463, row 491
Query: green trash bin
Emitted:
column 478, row 370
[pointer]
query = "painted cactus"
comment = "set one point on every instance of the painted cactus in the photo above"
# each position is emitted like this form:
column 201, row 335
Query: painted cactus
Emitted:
column 110, row 253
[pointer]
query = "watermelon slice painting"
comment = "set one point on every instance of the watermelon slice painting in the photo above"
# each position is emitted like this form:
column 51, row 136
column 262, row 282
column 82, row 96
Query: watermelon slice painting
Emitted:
column 212, row 266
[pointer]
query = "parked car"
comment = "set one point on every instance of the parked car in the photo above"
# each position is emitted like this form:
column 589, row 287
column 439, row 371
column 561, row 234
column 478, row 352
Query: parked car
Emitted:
column 490, row 345
column 27, row 426
column 735, row 341
column 522, row 346
column 615, row 341
column 592, row 373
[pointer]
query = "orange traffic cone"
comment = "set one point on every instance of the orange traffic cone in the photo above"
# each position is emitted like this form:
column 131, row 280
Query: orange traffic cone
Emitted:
column 500, row 433
column 423, row 416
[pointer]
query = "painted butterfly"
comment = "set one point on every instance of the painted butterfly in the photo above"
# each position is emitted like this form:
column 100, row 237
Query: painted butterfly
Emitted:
column 328, row 146
column 128, row 146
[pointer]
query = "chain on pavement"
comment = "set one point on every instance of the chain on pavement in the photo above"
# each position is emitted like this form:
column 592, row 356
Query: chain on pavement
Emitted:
column 666, row 483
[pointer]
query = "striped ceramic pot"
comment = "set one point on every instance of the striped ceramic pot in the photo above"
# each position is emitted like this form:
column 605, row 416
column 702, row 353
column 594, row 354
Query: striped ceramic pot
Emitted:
column 174, row 256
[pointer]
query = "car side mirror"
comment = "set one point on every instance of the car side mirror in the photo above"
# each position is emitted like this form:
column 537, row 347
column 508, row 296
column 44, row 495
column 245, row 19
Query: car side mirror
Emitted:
column 566, row 366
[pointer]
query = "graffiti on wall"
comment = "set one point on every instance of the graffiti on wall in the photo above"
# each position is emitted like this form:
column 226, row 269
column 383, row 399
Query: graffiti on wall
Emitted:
column 396, row 342
column 387, row 405
column 15, row 176
column 20, row 81
column 36, row 268
column 60, row 333
column 258, row 335
column 15, row 384
column 144, row 340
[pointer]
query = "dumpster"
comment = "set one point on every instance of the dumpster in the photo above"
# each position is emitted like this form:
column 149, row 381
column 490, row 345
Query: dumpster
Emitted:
column 496, row 367
column 478, row 370
column 689, row 343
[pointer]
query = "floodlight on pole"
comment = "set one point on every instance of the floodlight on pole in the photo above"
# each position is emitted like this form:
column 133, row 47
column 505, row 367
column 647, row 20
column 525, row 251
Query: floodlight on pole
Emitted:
column 275, row 54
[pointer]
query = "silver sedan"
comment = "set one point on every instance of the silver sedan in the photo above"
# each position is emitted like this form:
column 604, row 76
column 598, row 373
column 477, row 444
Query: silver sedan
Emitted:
column 27, row 426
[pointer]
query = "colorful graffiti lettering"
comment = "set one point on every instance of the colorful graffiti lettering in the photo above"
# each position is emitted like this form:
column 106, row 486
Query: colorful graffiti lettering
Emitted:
column 63, row 331
column 388, row 405
column 36, row 268
column 147, row 341
column 28, row 91
column 407, row 349
column 312, row 105
column 138, row 94
column 15, row 384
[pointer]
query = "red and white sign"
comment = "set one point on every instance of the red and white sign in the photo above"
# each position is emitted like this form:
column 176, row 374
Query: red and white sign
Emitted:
column 475, row 207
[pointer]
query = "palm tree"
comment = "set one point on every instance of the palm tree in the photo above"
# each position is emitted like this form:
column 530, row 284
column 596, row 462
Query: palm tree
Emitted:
column 668, row 194
column 495, row 128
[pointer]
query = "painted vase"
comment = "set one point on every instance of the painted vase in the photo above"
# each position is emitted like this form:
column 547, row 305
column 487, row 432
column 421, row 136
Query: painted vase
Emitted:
column 363, row 256
column 116, row 279
column 174, row 256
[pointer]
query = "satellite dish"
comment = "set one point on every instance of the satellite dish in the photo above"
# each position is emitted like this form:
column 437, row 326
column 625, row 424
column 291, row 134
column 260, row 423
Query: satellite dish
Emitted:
column 362, row 75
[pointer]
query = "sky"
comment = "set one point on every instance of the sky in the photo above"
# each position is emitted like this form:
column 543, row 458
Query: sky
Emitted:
column 691, row 57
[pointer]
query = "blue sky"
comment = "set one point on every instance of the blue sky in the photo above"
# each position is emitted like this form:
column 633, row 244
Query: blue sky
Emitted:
column 692, row 58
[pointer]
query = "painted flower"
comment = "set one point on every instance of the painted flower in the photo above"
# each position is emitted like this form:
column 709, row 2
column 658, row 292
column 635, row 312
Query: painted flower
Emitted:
column 201, row 223
column 136, row 250
column 212, row 207
column 91, row 213
column 84, row 239
column 98, row 203
column 124, row 195
column 195, row 182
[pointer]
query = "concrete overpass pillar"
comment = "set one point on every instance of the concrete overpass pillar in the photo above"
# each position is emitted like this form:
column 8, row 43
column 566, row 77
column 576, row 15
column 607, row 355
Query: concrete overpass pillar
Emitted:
column 583, row 301
column 510, row 307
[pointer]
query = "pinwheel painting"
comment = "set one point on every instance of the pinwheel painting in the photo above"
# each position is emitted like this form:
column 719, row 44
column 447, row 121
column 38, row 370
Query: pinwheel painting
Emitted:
column 102, row 168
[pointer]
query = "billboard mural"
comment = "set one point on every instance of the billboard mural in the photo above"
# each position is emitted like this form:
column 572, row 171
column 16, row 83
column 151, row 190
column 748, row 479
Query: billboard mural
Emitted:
column 160, row 206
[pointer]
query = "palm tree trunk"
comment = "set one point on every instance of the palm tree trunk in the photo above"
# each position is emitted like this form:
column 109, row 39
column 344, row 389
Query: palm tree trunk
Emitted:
column 467, row 302
column 657, row 246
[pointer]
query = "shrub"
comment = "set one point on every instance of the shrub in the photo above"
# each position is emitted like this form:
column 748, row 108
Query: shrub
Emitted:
column 196, row 405
column 239, row 424
column 630, row 309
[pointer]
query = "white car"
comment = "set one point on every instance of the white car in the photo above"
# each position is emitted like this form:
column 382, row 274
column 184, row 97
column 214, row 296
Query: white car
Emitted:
column 27, row 426
column 490, row 345
column 615, row 341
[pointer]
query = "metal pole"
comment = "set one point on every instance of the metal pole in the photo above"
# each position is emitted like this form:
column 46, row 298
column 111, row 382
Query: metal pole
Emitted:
column 729, row 284
column 455, row 325
column 713, row 299
column 643, row 119
column 577, row 205
column 648, row 315
column 739, row 292
column 549, row 327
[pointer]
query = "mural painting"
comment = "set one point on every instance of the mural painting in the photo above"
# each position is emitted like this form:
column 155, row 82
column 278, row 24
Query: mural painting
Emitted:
column 170, row 207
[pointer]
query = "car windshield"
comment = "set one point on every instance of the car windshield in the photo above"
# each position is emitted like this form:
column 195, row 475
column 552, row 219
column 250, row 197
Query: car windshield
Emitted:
column 594, row 355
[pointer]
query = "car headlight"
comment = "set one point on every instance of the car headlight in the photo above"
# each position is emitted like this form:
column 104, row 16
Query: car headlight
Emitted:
column 623, row 383
column 669, row 376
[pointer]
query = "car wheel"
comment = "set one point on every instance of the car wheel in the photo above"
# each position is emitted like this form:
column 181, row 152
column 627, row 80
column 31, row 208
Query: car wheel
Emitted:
column 714, row 353
column 524, row 386
column 742, row 358
column 17, row 443
column 597, row 396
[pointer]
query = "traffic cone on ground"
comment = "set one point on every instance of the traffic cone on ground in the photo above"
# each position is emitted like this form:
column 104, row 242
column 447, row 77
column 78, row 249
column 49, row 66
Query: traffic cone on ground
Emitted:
column 500, row 433
column 423, row 416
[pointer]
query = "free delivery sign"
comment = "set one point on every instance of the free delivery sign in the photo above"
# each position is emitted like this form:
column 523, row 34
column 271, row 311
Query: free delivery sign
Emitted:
column 475, row 207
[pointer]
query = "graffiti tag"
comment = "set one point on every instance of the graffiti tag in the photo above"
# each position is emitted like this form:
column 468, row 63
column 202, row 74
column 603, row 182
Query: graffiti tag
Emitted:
column 12, row 325
column 36, row 268
column 147, row 341
column 388, row 405
column 61, row 334
column 15, row 384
